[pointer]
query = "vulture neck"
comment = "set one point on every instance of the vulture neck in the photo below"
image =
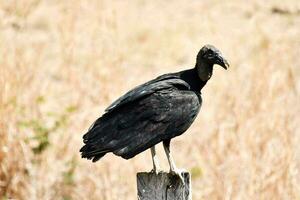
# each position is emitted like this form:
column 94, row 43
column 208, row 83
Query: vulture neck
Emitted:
column 204, row 70
column 192, row 78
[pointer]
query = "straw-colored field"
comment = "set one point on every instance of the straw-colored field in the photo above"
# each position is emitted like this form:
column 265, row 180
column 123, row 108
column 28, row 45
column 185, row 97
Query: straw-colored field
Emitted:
column 63, row 62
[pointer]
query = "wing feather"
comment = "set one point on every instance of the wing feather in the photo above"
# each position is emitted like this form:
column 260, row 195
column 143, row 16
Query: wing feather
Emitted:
column 160, row 83
column 155, row 111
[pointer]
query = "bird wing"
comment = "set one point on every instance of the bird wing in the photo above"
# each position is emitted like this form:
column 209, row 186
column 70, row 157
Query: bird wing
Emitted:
column 160, row 83
column 161, row 116
column 154, row 112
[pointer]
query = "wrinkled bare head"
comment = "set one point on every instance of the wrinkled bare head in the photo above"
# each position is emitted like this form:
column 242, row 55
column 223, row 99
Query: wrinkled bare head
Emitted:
column 206, row 58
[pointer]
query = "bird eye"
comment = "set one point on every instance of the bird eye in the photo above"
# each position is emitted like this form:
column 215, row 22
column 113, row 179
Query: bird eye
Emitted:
column 209, row 54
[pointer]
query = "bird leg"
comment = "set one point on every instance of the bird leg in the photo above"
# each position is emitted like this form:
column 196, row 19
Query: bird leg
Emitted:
column 173, row 168
column 154, row 160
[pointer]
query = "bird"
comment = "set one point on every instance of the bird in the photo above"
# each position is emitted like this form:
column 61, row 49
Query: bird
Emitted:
column 154, row 112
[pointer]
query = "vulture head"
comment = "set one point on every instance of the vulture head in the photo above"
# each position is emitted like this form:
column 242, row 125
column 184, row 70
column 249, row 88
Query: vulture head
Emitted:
column 206, row 58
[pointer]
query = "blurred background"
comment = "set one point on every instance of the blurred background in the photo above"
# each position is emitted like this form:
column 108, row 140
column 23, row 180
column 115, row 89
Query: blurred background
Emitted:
column 63, row 62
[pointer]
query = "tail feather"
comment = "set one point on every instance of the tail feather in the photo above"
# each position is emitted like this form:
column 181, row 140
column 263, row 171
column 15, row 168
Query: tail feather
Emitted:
column 113, row 133
column 96, row 140
column 91, row 153
column 98, row 157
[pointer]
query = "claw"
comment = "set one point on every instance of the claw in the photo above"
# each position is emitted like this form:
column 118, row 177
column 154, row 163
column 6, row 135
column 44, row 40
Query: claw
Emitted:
column 178, row 173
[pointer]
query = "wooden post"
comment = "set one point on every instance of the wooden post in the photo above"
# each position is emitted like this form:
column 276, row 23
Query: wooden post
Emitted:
column 163, row 186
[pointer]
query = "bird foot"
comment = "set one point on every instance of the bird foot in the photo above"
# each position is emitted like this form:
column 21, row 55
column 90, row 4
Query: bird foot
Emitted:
column 178, row 172
column 156, row 171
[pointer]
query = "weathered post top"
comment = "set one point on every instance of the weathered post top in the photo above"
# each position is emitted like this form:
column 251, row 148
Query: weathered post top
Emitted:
column 163, row 186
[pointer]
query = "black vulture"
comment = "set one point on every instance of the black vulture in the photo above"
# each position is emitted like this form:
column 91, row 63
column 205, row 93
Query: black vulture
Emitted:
column 153, row 112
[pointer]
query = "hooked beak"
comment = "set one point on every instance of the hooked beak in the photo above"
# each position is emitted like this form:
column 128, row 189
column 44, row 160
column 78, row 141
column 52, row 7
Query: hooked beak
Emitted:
column 222, row 62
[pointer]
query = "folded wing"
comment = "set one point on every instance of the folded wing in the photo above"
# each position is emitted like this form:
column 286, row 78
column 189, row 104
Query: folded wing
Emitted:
column 155, row 111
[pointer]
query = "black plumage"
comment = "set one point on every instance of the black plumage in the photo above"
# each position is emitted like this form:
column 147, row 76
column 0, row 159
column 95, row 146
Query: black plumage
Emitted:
column 156, row 111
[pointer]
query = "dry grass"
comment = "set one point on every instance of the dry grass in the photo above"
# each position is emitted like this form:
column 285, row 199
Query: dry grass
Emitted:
column 63, row 62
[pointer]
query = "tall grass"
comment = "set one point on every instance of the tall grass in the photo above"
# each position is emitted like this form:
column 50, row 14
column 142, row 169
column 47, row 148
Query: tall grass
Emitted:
column 63, row 62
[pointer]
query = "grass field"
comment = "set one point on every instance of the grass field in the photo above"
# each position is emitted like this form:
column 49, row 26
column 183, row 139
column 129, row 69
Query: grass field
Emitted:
column 63, row 62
